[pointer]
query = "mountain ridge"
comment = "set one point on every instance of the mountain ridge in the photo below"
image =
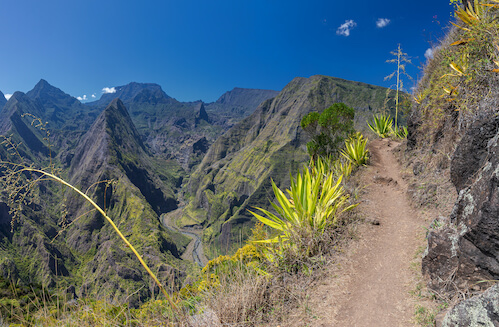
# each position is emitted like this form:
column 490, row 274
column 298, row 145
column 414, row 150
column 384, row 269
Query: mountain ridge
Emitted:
column 234, row 175
column 3, row 100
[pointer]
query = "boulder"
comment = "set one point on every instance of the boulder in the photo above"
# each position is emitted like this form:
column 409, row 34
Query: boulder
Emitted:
column 482, row 310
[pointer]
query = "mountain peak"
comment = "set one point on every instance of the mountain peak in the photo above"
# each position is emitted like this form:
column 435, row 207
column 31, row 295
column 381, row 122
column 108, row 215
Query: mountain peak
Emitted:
column 3, row 100
column 44, row 91
column 201, row 114
column 145, row 92
column 43, row 85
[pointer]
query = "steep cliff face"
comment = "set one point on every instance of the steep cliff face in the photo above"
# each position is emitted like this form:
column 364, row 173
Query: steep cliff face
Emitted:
column 235, row 173
column 21, row 129
column 112, row 150
column 60, row 110
column 238, row 103
column 27, row 252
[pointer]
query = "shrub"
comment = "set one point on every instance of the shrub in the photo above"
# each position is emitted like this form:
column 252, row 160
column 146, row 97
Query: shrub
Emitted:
column 329, row 129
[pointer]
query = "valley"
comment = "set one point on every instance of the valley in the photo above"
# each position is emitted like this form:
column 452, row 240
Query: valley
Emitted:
column 203, row 163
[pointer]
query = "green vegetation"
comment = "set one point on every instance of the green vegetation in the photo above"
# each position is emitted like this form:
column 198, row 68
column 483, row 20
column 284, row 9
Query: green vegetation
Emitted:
column 19, row 188
column 236, row 171
column 254, row 281
column 382, row 125
column 356, row 149
column 460, row 81
column 316, row 201
column 328, row 129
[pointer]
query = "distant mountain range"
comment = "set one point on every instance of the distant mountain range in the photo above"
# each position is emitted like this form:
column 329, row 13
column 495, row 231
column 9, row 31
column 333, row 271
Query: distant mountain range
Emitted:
column 212, row 160
column 145, row 142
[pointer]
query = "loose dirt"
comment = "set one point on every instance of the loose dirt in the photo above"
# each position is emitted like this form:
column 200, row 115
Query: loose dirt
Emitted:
column 371, row 283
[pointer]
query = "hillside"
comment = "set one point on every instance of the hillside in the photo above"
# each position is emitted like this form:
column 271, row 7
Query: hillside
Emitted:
column 56, row 240
column 88, row 249
column 235, row 173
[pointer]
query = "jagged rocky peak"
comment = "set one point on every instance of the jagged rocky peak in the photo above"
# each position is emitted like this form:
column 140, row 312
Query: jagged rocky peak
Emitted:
column 113, row 126
column 201, row 113
column 113, row 143
column 92, row 151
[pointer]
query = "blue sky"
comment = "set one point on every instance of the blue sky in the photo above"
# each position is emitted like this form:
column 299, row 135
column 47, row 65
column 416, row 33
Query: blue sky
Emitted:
column 199, row 49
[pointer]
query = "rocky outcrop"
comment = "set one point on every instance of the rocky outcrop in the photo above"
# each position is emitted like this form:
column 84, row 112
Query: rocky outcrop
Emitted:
column 201, row 114
column 482, row 310
column 472, row 152
column 464, row 248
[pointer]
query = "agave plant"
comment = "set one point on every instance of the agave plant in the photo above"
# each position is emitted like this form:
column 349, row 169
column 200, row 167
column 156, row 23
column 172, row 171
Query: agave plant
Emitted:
column 316, row 201
column 381, row 125
column 401, row 132
column 356, row 149
column 324, row 165
column 342, row 168
column 471, row 14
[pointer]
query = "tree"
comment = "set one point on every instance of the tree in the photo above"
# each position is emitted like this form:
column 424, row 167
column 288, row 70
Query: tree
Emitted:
column 329, row 129
column 401, row 59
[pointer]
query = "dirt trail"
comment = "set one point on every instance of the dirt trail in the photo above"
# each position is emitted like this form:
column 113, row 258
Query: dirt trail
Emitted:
column 373, row 283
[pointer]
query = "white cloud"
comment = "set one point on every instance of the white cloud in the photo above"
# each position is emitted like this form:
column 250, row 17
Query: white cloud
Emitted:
column 428, row 53
column 83, row 98
column 7, row 96
column 93, row 96
column 109, row 90
column 345, row 28
column 382, row 22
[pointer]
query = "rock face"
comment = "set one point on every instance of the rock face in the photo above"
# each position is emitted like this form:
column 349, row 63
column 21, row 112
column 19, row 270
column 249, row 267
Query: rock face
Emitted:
column 201, row 114
column 482, row 310
column 168, row 127
column 472, row 152
column 464, row 249
column 60, row 110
